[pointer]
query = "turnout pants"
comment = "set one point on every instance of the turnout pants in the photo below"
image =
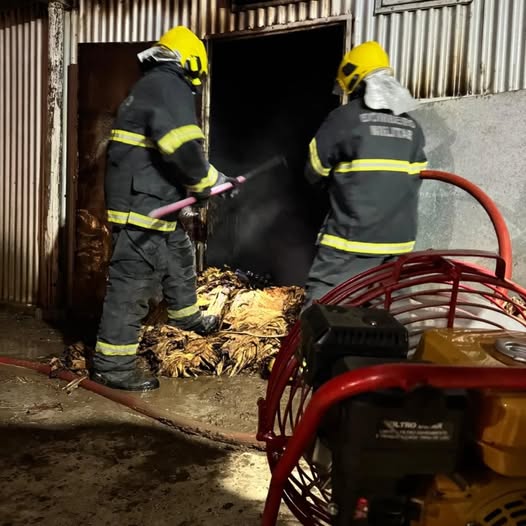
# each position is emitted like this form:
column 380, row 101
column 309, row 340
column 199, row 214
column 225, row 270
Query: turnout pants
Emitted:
column 332, row 267
column 143, row 260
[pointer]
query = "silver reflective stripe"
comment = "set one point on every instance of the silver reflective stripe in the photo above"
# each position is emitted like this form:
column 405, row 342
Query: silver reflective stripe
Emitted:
column 151, row 223
column 131, row 138
column 114, row 216
column 209, row 180
column 175, row 138
column 183, row 313
column 111, row 349
column 315, row 160
column 360, row 247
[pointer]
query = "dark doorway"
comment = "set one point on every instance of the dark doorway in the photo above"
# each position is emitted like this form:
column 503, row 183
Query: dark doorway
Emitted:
column 269, row 95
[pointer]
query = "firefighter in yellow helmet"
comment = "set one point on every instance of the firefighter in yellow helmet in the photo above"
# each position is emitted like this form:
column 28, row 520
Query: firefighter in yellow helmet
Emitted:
column 368, row 154
column 155, row 157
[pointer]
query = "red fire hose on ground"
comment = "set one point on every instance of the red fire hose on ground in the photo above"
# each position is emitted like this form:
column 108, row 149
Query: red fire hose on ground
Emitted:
column 246, row 440
column 181, row 423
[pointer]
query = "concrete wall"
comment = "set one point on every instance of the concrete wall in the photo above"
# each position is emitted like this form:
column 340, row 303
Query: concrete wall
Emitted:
column 484, row 140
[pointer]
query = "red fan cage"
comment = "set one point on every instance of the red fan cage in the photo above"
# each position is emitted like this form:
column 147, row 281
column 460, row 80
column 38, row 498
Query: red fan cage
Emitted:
column 423, row 290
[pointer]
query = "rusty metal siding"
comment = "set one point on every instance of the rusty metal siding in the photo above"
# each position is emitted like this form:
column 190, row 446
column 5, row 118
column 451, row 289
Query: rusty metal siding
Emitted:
column 471, row 49
column 22, row 33
column 478, row 48
column 222, row 20
column 131, row 21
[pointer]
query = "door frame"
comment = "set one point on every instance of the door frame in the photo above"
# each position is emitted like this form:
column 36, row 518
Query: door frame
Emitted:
column 305, row 25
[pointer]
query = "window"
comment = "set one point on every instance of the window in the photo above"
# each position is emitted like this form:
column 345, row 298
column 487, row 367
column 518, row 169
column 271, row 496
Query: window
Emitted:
column 394, row 6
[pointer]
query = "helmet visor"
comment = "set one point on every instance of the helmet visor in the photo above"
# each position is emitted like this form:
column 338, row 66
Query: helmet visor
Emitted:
column 158, row 54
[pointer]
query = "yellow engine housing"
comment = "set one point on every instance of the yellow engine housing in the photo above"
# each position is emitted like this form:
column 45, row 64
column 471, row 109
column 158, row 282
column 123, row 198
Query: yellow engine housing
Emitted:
column 491, row 500
column 501, row 416
column 494, row 493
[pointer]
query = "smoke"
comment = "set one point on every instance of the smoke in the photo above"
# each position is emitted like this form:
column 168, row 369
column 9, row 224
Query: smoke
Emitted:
column 264, row 109
column 269, row 227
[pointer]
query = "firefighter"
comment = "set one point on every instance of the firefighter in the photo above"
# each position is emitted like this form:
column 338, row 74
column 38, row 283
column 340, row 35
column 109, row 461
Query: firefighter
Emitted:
column 155, row 156
column 368, row 154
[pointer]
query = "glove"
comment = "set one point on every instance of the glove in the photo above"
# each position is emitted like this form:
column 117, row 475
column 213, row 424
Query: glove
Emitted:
column 222, row 179
column 201, row 197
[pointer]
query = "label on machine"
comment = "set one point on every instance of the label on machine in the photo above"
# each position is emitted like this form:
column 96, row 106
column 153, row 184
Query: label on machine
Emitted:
column 413, row 431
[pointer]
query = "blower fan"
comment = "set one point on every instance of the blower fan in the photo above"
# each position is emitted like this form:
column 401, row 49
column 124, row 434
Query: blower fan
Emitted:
column 401, row 400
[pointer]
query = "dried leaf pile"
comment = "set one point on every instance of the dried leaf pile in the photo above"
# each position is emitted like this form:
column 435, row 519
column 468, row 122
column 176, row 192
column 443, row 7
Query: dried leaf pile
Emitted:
column 253, row 323
column 92, row 255
column 516, row 307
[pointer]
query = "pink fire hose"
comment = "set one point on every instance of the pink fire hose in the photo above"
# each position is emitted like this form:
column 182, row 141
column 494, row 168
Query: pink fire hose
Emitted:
column 219, row 189
column 182, row 423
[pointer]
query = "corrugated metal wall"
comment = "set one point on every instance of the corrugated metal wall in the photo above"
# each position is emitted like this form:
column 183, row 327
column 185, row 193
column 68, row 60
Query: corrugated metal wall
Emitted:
column 22, row 33
column 476, row 48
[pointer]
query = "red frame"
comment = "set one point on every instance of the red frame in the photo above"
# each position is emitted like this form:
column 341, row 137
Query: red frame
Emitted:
column 284, row 454
column 406, row 376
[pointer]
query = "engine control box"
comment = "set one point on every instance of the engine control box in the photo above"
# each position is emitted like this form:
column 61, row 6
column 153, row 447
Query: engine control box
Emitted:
column 379, row 441
column 330, row 333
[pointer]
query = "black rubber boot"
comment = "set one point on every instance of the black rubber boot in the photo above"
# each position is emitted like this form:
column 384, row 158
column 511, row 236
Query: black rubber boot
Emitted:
column 203, row 326
column 206, row 325
column 133, row 380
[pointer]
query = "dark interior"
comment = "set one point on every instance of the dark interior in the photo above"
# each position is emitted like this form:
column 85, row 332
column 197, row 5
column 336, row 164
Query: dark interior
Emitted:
column 269, row 95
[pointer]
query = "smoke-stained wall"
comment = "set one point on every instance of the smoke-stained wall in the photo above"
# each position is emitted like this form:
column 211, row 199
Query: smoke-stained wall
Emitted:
column 484, row 140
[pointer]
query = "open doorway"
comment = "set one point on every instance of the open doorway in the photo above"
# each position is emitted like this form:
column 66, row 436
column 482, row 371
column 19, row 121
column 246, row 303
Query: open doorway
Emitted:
column 269, row 95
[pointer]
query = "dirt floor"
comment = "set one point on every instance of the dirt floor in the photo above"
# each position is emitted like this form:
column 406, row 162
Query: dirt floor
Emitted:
column 81, row 459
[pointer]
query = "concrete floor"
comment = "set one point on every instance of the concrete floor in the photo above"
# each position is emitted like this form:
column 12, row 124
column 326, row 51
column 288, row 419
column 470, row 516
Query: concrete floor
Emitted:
column 69, row 459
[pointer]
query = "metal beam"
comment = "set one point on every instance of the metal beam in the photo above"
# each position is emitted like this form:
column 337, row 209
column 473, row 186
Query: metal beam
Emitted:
column 54, row 152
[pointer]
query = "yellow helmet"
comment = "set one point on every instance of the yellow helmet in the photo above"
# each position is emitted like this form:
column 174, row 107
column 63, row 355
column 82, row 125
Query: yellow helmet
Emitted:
column 191, row 51
column 358, row 63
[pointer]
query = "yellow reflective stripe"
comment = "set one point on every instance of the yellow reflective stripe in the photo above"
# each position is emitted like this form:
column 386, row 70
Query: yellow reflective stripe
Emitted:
column 114, row 216
column 151, row 223
column 134, row 139
column 183, row 313
column 315, row 160
column 175, row 138
column 381, row 165
column 366, row 248
column 110, row 349
column 133, row 218
column 416, row 168
column 208, row 181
